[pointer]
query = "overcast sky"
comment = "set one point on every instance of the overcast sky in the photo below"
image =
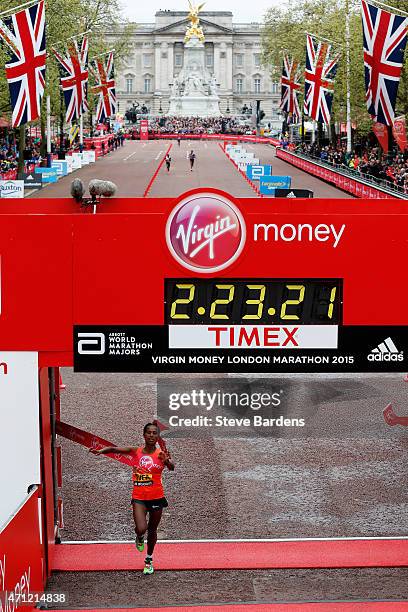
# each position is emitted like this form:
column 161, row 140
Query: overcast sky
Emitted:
column 244, row 11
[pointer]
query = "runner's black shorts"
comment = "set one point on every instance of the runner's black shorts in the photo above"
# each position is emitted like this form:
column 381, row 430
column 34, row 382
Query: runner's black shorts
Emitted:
column 152, row 504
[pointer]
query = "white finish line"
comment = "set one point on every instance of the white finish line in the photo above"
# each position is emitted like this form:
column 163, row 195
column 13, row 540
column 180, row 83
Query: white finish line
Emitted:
column 253, row 336
column 337, row 539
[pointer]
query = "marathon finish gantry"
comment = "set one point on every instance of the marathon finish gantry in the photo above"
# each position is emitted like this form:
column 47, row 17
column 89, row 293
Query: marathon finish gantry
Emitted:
column 204, row 283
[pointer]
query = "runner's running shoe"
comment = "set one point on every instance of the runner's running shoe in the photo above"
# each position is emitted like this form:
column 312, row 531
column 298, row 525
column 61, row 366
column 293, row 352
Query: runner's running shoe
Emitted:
column 148, row 568
column 140, row 544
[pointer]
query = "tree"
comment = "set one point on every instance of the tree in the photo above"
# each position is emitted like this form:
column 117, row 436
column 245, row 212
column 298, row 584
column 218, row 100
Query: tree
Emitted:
column 65, row 19
column 285, row 31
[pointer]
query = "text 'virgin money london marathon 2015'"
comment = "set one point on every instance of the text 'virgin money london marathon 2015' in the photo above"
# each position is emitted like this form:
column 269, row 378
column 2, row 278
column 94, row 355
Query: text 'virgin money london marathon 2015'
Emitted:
column 206, row 233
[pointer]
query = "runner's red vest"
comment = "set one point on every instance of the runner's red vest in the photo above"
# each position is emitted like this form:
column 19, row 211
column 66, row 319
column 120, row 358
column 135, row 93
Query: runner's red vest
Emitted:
column 147, row 475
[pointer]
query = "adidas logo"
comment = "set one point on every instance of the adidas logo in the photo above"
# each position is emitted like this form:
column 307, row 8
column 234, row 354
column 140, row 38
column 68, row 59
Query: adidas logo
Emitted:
column 291, row 195
column 386, row 351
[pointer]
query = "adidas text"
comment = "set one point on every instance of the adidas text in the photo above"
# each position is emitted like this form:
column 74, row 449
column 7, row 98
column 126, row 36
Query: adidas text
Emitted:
column 386, row 356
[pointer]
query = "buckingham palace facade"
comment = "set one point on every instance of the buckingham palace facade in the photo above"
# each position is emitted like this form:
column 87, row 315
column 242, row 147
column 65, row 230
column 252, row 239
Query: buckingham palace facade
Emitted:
column 232, row 55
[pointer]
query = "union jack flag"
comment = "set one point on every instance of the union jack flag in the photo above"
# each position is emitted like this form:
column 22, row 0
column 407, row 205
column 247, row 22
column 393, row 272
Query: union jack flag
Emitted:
column 320, row 73
column 74, row 78
column 385, row 38
column 290, row 86
column 105, row 87
column 24, row 34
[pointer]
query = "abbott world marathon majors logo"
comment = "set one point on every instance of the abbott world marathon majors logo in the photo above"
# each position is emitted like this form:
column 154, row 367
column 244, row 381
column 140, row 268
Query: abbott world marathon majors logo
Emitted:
column 205, row 232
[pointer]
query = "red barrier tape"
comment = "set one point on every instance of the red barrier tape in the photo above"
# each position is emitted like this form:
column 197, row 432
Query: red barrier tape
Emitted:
column 89, row 440
column 148, row 188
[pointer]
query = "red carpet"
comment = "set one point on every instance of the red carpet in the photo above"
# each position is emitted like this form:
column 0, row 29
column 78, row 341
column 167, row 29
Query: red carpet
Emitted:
column 382, row 606
column 234, row 555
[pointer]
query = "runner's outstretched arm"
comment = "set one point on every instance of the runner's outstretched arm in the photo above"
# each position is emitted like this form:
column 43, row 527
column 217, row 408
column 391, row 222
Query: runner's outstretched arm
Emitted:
column 111, row 449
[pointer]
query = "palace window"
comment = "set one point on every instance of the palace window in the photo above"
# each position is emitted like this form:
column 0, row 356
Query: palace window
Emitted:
column 257, row 60
column 239, row 60
column 147, row 60
column 147, row 83
column 238, row 85
column 209, row 60
column 129, row 85
column 257, row 85
column 275, row 88
column 178, row 60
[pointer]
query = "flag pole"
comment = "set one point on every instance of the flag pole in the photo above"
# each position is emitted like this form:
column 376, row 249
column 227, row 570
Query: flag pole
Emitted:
column 348, row 99
column 48, row 110
column 391, row 8
column 81, row 132
column 12, row 10
column 102, row 54
column 64, row 42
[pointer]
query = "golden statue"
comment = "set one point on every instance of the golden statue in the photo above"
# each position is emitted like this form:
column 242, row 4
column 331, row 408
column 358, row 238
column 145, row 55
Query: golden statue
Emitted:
column 195, row 29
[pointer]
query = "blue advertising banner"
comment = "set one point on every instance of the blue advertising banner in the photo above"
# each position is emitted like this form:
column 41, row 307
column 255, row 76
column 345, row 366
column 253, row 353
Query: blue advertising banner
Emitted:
column 61, row 166
column 256, row 172
column 49, row 175
column 268, row 184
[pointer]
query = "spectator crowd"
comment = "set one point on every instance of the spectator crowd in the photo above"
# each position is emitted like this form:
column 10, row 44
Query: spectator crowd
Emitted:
column 198, row 125
column 368, row 161
column 8, row 156
column 9, row 153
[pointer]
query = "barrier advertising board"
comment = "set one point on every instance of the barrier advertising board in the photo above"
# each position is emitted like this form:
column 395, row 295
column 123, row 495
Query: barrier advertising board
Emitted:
column 12, row 189
column 61, row 166
column 256, row 172
column 293, row 193
column 268, row 184
column 19, row 420
column 49, row 175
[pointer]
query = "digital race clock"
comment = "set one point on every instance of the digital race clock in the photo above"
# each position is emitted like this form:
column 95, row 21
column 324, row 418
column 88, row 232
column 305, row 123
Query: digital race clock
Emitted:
column 249, row 301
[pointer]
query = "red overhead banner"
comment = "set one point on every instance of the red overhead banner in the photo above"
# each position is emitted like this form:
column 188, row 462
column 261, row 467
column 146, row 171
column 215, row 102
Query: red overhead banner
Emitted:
column 399, row 129
column 381, row 132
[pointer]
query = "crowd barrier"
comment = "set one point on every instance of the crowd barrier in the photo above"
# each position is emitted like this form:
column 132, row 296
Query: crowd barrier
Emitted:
column 355, row 186
column 225, row 137
column 97, row 141
column 11, row 175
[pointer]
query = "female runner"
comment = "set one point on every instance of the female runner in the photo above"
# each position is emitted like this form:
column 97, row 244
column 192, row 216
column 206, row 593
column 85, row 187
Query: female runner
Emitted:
column 148, row 494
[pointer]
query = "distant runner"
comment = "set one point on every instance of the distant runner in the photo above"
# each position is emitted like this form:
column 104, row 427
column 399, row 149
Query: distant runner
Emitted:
column 148, row 494
column 191, row 157
column 168, row 162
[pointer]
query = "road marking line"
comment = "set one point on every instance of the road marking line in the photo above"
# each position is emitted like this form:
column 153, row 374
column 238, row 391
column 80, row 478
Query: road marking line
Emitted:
column 158, row 155
column 129, row 156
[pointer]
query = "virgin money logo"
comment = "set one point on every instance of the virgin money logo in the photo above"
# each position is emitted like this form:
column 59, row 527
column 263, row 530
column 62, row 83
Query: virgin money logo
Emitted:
column 205, row 232
column 146, row 462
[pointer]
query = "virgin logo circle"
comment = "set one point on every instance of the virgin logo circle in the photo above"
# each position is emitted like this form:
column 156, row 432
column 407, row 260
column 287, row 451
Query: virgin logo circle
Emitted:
column 205, row 232
column 146, row 462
